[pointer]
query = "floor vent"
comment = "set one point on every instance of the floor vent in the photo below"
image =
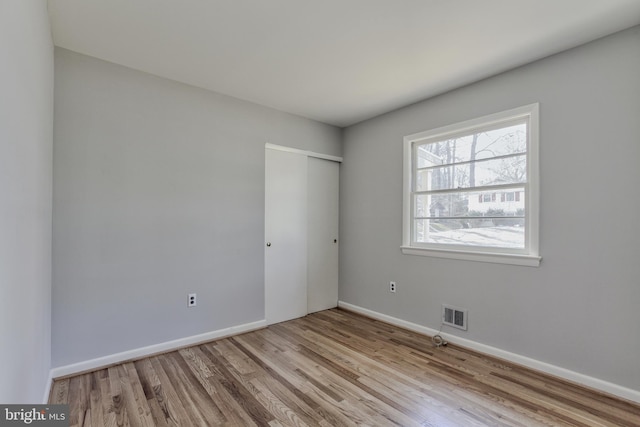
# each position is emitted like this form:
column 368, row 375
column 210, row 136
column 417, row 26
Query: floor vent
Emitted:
column 455, row 317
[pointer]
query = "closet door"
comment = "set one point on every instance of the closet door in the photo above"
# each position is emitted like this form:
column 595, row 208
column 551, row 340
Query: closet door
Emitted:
column 322, row 234
column 285, row 235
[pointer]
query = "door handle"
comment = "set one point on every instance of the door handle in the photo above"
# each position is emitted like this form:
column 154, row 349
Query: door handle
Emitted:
column 268, row 244
column 335, row 240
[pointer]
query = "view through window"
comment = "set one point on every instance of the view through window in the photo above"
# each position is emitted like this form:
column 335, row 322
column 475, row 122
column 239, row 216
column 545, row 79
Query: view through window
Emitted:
column 470, row 186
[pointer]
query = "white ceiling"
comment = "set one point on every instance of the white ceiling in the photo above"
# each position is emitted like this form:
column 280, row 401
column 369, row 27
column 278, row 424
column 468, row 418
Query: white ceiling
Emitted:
column 336, row 61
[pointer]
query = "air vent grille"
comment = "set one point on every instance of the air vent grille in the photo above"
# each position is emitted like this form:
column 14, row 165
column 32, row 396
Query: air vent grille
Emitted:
column 453, row 316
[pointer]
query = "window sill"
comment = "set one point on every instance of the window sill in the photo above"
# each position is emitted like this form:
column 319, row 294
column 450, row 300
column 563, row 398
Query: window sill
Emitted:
column 496, row 258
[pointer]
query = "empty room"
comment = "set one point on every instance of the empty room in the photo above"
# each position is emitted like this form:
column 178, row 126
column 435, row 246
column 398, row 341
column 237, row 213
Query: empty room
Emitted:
column 320, row 213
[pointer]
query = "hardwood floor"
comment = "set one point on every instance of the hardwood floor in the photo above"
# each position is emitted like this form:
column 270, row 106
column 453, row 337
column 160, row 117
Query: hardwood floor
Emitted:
column 332, row 368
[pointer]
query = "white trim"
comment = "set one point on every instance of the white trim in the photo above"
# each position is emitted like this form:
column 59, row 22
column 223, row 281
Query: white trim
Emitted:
column 496, row 258
column 138, row 353
column 407, row 176
column 47, row 389
column 533, row 180
column 303, row 152
column 576, row 377
column 461, row 128
column 529, row 256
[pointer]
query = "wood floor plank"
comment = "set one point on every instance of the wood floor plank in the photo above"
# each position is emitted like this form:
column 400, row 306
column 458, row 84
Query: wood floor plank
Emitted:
column 104, row 387
column 117, row 400
column 237, row 387
column 152, row 389
column 199, row 365
column 332, row 368
column 59, row 392
column 167, row 397
column 318, row 395
column 78, row 400
column 95, row 401
column 201, row 409
column 135, row 399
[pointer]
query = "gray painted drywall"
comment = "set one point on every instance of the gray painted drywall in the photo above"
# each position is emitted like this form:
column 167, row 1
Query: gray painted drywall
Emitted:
column 580, row 309
column 26, row 126
column 158, row 192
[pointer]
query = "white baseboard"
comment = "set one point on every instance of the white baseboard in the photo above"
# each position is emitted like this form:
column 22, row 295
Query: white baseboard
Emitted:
column 576, row 377
column 101, row 362
column 47, row 389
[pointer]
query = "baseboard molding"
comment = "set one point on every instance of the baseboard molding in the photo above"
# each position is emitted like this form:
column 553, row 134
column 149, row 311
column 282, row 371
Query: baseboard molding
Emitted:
column 576, row 377
column 105, row 361
column 47, row 390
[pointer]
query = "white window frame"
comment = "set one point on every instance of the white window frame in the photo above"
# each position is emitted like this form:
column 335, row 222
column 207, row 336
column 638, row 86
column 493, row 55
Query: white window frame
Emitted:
column 529, row 256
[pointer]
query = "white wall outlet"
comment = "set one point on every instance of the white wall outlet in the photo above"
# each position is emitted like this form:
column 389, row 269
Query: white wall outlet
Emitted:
column 191, row 301
column 392, row 286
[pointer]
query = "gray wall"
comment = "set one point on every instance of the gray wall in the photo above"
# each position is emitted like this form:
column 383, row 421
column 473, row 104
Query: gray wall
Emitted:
column 578, row 310
column 26, row 122
column 158, row 192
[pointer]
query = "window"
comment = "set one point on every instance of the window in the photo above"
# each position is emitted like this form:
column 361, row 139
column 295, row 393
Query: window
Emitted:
column 471, row 189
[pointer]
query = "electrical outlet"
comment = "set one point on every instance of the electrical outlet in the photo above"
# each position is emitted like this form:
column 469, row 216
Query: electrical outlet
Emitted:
column 191, row 301
column 392, row 286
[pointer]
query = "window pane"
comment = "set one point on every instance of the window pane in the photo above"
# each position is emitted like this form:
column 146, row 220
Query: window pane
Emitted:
column 498, row 203
column 473, row 204
column 482, row 145
column 439, row 205
column 503, row 233
column 510, row 170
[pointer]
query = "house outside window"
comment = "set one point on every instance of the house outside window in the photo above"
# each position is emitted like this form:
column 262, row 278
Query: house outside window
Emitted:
column 471, row 189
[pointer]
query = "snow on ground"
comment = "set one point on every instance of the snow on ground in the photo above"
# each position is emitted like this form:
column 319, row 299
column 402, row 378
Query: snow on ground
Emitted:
column 505, row 237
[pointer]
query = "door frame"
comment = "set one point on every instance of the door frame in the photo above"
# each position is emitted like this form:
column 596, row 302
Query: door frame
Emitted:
column 303, row 152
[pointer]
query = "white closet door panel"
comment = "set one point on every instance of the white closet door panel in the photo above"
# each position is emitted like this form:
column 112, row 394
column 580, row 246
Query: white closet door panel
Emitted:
column 322, row 259
column 285, row 236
